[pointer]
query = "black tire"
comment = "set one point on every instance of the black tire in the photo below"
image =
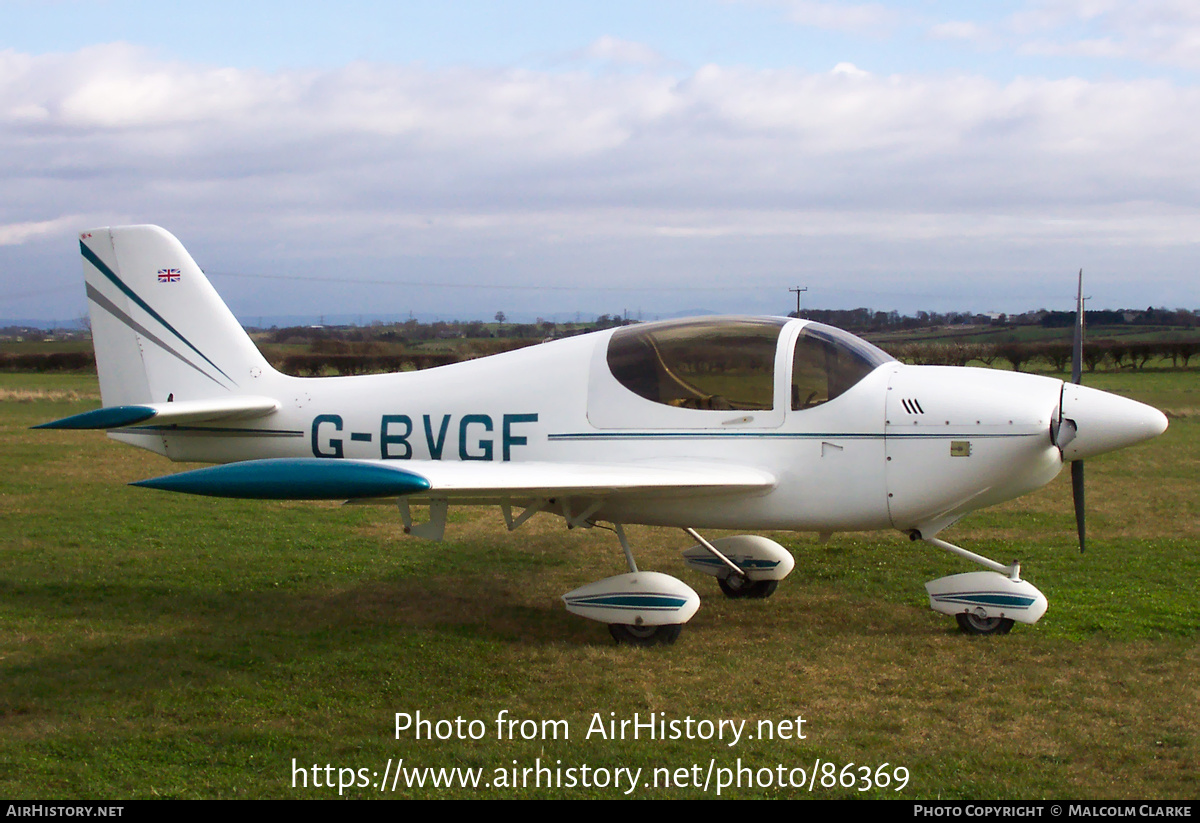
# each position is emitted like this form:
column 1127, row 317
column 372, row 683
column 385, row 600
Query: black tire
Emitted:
column 970, row 624
column 645, row 635
column 762, row 589
column 735, row 587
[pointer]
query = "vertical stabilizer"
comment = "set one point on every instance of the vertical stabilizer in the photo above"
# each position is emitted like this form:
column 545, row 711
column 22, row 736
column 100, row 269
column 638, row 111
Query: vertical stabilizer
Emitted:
column 159, row 328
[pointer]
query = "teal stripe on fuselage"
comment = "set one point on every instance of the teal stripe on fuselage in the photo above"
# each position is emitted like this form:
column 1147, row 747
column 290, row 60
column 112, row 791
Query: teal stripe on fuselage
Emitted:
column 774, row 435
column 216, row 431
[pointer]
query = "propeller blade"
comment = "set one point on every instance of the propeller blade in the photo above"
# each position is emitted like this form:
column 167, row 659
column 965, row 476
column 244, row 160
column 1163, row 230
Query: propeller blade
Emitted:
column 1077, row 343
column 1077, row 377
column 1077, row 494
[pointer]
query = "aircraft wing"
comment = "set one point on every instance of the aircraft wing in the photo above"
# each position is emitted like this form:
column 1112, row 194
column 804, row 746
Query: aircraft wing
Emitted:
column 313, row 478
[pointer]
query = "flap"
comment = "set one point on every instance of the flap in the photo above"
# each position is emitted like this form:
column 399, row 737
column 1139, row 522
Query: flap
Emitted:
column 465, row 478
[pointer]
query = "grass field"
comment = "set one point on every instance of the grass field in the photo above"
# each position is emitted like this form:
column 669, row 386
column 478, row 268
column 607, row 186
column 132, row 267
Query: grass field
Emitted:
column 156, row 645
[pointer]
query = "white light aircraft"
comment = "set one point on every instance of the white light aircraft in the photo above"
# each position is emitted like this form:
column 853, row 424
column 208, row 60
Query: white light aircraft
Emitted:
column 739, row 423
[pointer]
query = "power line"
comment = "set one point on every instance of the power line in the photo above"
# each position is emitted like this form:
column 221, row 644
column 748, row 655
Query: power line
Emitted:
column 39, row 292
column 477, row 286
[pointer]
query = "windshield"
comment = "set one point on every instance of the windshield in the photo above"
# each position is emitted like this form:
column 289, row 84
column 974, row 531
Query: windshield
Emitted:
column 827, row 362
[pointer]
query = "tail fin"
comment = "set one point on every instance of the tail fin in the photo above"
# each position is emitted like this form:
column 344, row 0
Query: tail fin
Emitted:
column 159, row 328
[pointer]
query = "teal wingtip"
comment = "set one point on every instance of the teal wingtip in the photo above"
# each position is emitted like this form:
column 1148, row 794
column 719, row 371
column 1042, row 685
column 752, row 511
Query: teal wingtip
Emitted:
column 112, row 417
column 293, row 479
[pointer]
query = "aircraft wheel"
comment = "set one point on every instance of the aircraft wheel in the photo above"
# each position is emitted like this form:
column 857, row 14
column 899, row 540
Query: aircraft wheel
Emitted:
column 645, row 635
column 971, row 624
column 735, row 586
column 762, row 589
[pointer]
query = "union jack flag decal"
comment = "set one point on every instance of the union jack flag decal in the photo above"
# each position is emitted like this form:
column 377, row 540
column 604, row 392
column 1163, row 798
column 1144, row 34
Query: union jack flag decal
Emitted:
column 168, row 275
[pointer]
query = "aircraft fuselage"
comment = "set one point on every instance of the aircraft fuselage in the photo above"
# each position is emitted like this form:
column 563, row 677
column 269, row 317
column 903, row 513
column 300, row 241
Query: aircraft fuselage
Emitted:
column 905, row 447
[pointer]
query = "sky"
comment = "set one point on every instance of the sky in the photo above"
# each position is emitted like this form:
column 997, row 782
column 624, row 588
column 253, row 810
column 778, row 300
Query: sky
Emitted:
column 550, row 159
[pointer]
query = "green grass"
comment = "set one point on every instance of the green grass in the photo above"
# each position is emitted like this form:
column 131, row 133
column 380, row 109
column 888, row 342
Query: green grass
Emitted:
column 154, row 645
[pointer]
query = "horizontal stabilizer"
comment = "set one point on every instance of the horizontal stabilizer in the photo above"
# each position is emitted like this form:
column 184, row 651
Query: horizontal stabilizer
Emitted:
column 298, row 478
column 165, row 414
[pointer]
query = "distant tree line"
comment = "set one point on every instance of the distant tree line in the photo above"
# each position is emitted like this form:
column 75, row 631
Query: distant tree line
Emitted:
column 348, row 350
column 866, row 320
column 415, row 332
column 1123, row 317
column 1055, row 356
column 338, row 357
column 65, row 361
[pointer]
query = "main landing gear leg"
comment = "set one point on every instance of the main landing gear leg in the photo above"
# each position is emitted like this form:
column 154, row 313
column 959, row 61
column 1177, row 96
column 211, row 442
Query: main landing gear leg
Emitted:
column 620, row 530
column 642, row 635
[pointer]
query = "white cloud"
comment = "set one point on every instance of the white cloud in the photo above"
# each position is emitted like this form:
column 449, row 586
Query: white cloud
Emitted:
column 957, row 30
column 823, row 14
column 625, row 52
column 1100, row 47
column 542, row 175
column 850, row 69
column 563, row 137
column 1152, row 31
column 14, row 234
column 840, row 15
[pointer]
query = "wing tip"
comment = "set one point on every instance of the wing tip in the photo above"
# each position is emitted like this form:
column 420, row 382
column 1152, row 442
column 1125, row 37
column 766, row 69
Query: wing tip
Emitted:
column 293, row 478
column 110, row 417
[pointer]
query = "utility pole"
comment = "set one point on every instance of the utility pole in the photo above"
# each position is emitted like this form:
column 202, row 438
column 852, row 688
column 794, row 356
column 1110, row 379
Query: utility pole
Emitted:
column 798, row 290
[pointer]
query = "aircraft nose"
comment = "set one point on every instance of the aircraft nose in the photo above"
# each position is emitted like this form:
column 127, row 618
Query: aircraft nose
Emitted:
column 1104, row 422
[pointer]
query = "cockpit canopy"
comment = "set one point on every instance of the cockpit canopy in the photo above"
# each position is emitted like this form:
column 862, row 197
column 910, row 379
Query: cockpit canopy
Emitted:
column 716, row 364
column 728, row 364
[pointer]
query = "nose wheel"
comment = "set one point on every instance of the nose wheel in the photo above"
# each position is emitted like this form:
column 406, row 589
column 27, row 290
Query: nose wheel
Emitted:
column 970, row 623
column 984, row 603
column 645, row 635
